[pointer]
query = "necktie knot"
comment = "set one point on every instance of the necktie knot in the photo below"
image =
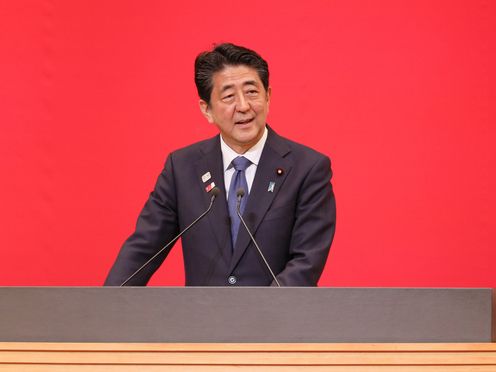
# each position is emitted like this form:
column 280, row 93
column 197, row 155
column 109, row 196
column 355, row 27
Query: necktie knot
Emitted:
column 240, row 163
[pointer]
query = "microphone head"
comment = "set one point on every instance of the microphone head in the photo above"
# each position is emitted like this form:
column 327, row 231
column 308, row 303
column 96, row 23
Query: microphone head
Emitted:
column 215, row 192
column 240, row 193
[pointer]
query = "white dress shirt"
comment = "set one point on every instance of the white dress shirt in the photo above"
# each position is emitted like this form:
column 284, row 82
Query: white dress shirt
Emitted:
column 253, row 154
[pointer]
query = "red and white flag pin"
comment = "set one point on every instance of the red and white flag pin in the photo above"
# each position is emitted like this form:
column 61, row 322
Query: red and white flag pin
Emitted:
column 210, row 187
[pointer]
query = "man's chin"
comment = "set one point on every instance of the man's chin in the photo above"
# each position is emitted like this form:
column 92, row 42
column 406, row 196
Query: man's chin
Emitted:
column 249, row 139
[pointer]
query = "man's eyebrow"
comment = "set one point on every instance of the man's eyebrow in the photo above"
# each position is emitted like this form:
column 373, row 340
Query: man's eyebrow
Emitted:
column 229, row 86
column 250, row 82
column 226, row 87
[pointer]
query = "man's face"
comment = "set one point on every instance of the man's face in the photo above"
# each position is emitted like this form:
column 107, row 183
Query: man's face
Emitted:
column 238, row 106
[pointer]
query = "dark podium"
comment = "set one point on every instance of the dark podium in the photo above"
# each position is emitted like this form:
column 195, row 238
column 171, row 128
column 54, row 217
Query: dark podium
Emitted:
column 254, row 328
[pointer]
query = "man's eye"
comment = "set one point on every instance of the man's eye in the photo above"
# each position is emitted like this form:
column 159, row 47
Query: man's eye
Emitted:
column 228, row 97
column 253, row 91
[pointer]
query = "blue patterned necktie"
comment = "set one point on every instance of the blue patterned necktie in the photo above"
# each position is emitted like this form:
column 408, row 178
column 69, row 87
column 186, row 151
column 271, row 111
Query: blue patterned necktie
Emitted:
column 238, row 181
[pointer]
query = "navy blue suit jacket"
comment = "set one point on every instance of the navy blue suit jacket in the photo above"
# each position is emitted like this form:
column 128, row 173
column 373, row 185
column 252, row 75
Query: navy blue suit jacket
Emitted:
column 293, row 225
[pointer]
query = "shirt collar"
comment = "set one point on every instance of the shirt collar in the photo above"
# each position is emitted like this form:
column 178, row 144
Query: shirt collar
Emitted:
column 253, row 154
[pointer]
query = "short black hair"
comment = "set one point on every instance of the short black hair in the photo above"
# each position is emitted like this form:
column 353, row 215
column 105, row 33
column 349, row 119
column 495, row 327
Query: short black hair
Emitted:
column 209, row 62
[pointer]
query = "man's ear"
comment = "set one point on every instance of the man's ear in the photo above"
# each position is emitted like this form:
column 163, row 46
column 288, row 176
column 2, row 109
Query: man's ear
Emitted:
column 205, row 109
column 269, row 94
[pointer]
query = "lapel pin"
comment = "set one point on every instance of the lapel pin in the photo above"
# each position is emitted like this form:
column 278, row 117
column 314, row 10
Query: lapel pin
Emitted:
column 206, row 177
column 210, row 187
column 272, row 184
column 279, row 171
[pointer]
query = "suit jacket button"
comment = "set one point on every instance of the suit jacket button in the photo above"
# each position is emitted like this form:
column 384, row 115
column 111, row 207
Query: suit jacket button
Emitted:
column 232, row 280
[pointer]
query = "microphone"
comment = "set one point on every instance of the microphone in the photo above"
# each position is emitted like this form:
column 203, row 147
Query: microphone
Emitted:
column 215, row 192
column 239, row 194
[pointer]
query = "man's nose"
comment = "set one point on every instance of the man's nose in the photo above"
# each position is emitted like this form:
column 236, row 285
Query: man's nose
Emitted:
column 242, row 105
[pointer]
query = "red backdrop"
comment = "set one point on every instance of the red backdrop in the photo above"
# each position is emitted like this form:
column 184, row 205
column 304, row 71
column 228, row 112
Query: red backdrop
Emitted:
column 400, row 94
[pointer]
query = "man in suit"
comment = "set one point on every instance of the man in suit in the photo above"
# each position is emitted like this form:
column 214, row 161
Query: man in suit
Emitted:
column 288, row 202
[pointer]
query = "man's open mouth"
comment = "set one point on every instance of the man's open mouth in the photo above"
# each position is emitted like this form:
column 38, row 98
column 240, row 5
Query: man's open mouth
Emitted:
column 244, row 121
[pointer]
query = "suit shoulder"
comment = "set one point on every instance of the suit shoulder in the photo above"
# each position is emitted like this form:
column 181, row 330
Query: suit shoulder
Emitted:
column 195, row 150
column 304, row 152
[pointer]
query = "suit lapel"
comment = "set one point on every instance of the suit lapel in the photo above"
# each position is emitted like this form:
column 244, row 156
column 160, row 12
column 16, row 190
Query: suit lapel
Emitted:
column 260, row 198
column 211, row 161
